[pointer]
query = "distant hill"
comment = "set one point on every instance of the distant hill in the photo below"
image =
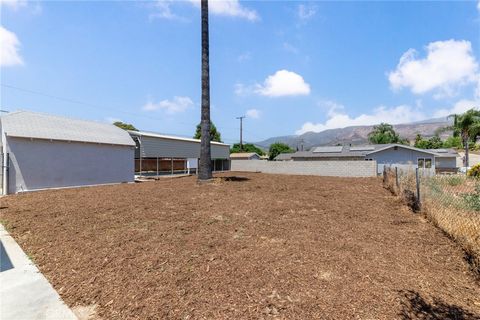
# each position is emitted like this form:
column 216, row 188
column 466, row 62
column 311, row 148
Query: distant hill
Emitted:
column 357, row 134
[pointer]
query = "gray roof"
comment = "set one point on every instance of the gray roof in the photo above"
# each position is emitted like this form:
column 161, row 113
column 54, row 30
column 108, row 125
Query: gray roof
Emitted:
column 170, row 137
column 445, row 153
column 362, row 151
column 284, row 156
column 26, row 124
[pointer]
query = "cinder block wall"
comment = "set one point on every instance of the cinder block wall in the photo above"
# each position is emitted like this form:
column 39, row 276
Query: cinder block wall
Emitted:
column 316, row 168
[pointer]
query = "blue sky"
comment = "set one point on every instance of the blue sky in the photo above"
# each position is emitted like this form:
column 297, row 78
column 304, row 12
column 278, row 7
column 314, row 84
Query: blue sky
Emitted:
column 290, row 66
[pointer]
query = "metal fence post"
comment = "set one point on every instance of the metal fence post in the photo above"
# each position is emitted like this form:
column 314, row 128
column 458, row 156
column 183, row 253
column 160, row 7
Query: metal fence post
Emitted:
column 396, row 177
column 417, row 180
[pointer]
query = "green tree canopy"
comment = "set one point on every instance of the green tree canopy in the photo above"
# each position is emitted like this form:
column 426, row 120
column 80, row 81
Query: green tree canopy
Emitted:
column 432, row 143
column 384, row 133
column 247, row 147
column 467, row 127
column 125, row 126
column 277, row 148
column 452, row 142
column 214, row 134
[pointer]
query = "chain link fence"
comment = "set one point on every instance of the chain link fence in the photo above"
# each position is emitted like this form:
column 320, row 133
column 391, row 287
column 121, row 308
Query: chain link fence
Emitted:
column 451, row 202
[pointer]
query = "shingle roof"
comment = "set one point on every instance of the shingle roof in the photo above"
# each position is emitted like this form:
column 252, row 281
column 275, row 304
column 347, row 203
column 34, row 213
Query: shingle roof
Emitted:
column 362, row 151
column 26, row 124
column 165, row 136
column 242, row 155
column 284, row 156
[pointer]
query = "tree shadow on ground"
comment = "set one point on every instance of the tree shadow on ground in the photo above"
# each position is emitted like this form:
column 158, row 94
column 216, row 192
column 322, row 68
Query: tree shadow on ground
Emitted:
column 234, row 178
column 414, row 306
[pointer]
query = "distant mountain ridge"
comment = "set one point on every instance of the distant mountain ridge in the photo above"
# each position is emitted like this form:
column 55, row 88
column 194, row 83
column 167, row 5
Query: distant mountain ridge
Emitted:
column 357, row 135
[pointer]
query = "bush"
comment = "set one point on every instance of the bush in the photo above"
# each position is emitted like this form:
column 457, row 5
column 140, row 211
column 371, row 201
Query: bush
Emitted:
column 472, row 200
column 454, row 180
column 474, row 171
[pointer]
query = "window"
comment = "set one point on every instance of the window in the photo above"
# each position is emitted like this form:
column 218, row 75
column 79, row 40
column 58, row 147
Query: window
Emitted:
column 428, row 163
column 424, row 163
column 421, row 162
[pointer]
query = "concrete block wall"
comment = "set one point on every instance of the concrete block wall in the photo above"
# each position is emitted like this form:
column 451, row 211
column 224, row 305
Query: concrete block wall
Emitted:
column 316, row 168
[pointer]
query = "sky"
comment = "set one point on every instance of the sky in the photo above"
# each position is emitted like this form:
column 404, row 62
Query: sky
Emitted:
column 289, row 66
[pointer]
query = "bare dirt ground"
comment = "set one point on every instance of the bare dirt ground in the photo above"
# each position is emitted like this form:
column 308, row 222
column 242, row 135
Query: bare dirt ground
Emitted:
column 292, row 247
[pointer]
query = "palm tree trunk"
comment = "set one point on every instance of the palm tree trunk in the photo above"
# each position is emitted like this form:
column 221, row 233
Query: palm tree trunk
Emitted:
column 205, row 166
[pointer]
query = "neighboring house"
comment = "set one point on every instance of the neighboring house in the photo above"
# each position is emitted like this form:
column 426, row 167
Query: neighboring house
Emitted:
column 157, row 154
column 40, row 151
column 284, row 157
column 244, row 156
column 384, row 154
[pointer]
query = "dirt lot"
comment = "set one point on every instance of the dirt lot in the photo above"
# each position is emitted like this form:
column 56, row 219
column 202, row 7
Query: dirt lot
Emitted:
column 292, row 247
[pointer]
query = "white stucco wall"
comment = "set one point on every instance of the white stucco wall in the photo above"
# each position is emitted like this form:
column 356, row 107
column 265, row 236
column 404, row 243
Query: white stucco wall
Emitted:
column 39, row 164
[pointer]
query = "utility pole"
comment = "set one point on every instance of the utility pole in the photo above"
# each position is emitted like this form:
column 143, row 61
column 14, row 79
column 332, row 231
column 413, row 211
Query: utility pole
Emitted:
column 241, row 131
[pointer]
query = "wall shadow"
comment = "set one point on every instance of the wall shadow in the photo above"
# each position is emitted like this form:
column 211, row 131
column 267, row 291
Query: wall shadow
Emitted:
column 414, row 306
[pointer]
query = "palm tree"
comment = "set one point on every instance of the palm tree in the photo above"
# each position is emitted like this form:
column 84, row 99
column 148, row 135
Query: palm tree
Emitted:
column 467, row 126
column 205, row 166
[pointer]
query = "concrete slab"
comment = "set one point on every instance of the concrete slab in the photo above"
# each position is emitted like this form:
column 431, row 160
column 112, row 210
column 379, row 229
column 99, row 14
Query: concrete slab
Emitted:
column 25, row 294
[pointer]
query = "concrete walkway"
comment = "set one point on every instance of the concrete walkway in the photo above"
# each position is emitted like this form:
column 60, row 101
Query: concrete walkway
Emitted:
column 25, row 294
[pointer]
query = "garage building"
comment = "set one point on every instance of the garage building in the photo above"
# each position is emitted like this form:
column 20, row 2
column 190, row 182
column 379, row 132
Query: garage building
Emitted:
column 40, row 151
column 159, row 154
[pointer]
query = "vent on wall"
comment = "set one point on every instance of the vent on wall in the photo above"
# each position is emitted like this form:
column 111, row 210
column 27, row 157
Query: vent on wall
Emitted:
column 328, row 149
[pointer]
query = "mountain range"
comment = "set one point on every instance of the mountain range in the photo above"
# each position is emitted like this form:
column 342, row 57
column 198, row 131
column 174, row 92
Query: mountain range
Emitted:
column 357, row 135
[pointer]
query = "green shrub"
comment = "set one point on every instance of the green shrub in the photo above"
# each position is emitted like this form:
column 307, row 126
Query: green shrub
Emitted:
column 472, row 200
column 454, row 180
column 474, row 171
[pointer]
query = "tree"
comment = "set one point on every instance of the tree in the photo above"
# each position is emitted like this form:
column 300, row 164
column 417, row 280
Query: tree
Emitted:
column 384, row 133
column 467, row 127
column 205, row 165
column 452, row 142
column 125, row 126
column 433, row 143
column 277, row 148
column 247, row 147
column 215, row 135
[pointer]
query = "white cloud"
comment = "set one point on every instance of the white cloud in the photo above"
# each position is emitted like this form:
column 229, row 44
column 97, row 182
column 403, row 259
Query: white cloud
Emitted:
column 178, row 104
column 338, row 118
column 231, row 8
column 13, row 4
column 9, row 47
column 283, row 83
column 478, row 5
column 290, row 48
column 33, row 6
column 305, row 13
column 163, row 10
column 459, row 107
column 253, row 113
column 244, row 57
column 448, row 65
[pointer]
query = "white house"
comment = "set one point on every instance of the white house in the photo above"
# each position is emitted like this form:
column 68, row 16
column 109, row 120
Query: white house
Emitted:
column 40, row 151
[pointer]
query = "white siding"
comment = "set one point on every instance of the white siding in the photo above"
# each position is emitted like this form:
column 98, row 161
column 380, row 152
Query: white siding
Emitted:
column 39, row 164
column 153, row 147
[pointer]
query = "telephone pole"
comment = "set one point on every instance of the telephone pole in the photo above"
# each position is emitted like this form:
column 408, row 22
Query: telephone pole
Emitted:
column 241, row 131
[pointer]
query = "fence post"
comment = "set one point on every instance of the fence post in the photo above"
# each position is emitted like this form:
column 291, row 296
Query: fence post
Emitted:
column 396, row 177
column 417, row 180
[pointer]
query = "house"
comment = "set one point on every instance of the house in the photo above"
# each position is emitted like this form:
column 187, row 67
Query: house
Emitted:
column 245, row 156
column 284, row 157
column 159, row 154
column 384, row 154
column 41, row 151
